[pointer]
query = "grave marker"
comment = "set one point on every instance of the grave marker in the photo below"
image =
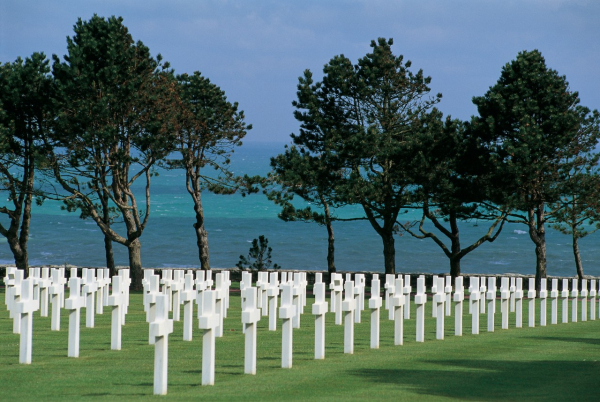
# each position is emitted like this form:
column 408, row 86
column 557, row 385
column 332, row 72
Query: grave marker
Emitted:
column 297, row 300
column 56, row 291
column 272, row 294
column 337, row 286
column 438, row 300
column 100, row 291
column 483, row 290
column 554, row 302
column 519, row 303
column 397, row 305
column 250, row 316
column 420, row 301
column 160, row 328
column 348, row 307
column 319, row 308
column 574, row 294
column 151, row 297
column 117, row 302
column 459, row 297
column 208, row 321
column 176, row 288
column 504, row 301
column 220, row 286
column 44, row 284
column 531, row 297
column 188, row 295
column 448, row 291
column 565, row 301
column 375, row 306
column 286, row 313
column 89, row 290
column 543, row 296
column 513, row 289
column 16, row 293
column 491, row 298
column 584, row 295
column 74, row 303
column 593, row 294
column 359, row 296
column 389, row 291
column 434, row 290
column 24, row 308
column 407, row 291
column 474, row 294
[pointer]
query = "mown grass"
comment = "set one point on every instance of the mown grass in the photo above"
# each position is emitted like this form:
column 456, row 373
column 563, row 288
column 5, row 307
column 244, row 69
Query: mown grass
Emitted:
column 557, row 362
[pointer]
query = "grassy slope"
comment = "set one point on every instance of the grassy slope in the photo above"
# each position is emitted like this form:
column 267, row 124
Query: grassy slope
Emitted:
column 557, row 362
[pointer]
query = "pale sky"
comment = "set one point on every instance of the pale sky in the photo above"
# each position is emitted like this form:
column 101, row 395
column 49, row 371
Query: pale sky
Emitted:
column 256, row 50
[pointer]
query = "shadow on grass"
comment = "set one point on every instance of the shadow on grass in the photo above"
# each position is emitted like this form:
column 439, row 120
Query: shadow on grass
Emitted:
column 485, row 380
column 589, row 341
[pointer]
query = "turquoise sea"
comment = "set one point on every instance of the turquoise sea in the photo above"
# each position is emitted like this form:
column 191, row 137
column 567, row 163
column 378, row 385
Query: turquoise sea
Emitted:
column 232, row 221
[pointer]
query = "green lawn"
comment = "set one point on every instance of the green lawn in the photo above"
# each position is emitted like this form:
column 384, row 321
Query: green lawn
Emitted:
column 557, row 362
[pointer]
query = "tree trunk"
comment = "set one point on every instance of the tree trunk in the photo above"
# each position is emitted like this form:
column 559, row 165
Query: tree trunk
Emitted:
column 578, row 264
column 389, row 252
column 537, row 233
column 330, row 239
column 455, row 244
column 455, row 268
column 201, row 236
column 135, row 264
column 20, row 254
column 330, row 249
column 110, row 258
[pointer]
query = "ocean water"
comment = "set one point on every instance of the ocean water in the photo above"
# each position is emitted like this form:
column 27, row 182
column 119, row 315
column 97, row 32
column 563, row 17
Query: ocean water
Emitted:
column 232, row 221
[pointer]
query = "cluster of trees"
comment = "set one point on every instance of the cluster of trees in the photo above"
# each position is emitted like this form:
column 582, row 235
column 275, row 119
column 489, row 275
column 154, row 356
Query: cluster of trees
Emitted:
column 94, row 126
column 370, row 134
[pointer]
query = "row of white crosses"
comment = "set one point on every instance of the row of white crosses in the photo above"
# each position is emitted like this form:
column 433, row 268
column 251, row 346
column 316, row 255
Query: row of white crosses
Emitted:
column 23, row 297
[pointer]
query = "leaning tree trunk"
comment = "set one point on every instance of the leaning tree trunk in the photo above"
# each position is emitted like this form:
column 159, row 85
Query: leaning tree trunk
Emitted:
column 135, row 264
column 201, row 236
column 19, row 252
column 578, row 263
column 330, row 239
column 537, row 233
column 110, row 258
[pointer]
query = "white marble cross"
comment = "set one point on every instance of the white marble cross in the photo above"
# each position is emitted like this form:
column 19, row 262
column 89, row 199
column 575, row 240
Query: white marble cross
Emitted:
column 554, row 302
column 166, row 281
column 272, row 294
column 390, row 279
column 439, row 298
column 220, row 289
column 593, row 293
column 448, row 291
column 286, row 313
column 491, row 298
column 319, row 308
column 483, row 293
column 574, row 294
column 420, row 300
column 519, row 303
column 89, row 290
column 16, row 293
column 117, row 302
column 250, row 316
column 226, row 285
column 153, row 293
column 201, row 287
column 24, row 308
column 56, row 291
column 176, row 288
column 459, row 297
column 531, row 296
column 44, row 284
column 9, row 283
column 434, row 290
column 125, row 283
column 74, row 303
column 504, row 300
column 337, row 286
column 512, row 289
column 246, row 282
column 188, row 295
column 359, row 296
column 263, row 300
column 474, row 295
column 565, row 300
column 34, row 273
column 375, row 306
column 160, row 328
column 349, row 307
column 100, row 292
column 297, row 300
column 584, row 295
column 407, row 291
column 208, row 321
column 543, row 297
column 397, row 305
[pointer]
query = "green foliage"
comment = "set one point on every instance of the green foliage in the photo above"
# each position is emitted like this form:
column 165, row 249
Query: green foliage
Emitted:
column 365, row 124
column 259, row 256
